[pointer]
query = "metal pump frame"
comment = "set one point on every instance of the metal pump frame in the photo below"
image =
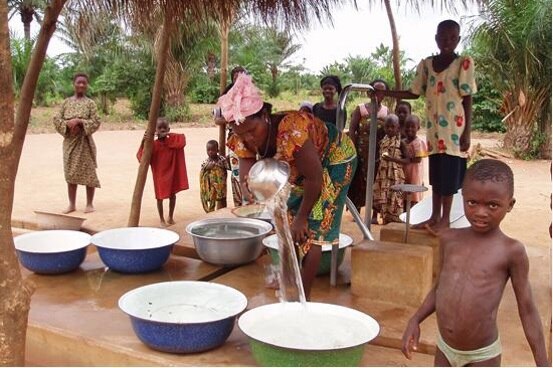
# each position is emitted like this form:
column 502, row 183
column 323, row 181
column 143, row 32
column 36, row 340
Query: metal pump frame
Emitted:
column 364, row 226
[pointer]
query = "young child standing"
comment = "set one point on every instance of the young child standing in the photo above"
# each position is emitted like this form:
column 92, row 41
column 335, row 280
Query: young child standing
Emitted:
column 416, row 151
column 447, row 82
column 403, row 110
column 477, row 262
column 168, row 167
column 213, row 178
column 390, row 172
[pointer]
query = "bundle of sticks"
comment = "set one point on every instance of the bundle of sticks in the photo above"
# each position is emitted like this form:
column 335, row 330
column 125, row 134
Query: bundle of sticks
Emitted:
column 478, row 152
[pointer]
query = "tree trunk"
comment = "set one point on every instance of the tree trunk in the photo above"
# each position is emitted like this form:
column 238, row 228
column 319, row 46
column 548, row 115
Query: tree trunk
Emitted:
column 162, row 53
column 274, row 74
column 104, row 103
column 27, row 18
column 395, row 45
column 523, row 106
column 211, row 60
column 225, row 29
column 518, row 136
column 16, row 294
column 545, row 128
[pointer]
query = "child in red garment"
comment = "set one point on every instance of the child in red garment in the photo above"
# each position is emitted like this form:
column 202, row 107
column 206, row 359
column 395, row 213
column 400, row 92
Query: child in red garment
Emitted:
column 168, row 167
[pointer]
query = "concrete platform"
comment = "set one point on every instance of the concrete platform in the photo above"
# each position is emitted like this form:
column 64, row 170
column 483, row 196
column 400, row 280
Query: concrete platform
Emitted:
column 74, row 319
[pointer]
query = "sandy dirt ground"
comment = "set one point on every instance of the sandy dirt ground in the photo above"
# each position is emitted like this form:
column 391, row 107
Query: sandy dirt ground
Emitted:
column 40, row 184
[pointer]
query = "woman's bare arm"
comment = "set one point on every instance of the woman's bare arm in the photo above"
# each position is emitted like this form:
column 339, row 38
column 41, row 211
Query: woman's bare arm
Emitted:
column 244, row 166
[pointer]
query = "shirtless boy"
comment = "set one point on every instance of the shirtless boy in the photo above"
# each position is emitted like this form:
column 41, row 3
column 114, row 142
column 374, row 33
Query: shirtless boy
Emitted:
column 477, row 262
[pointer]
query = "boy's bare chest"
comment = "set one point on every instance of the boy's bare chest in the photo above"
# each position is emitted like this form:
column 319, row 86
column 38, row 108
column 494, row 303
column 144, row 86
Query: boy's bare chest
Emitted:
column 479, row 266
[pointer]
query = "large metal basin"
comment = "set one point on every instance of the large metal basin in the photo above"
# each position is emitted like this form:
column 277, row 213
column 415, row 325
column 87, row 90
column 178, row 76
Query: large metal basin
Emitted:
column 228, row 241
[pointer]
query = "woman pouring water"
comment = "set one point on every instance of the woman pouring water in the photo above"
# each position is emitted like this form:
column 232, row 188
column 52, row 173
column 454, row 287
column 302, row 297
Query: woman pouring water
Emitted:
column 321, row 169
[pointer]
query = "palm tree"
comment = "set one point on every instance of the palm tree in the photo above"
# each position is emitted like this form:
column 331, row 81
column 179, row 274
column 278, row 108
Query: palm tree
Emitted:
column 279, row 48
column 513, row 44
column 187, row 53
column 28, row 10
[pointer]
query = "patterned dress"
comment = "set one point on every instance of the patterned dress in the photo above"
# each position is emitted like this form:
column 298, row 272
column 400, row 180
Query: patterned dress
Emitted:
column 358, row 188
column 79, row 150
column 338, row 162
column 235, row 179
column 444, row 92
column 213, row 182
column 389, row 173
column 414, row 172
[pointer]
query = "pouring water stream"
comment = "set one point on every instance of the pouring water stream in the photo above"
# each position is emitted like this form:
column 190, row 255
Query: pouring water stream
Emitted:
column 274, row 195
column 291, row 286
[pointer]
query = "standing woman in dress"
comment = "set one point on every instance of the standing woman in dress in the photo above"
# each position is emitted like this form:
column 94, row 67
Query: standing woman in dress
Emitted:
column 76, row 121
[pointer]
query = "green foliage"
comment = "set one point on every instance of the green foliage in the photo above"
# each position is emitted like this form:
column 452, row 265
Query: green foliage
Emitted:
column 264, row 52
column 204, row 90
column 49, row 89
column 273, row 90
column 21, row 55
column 485, row 107
column 511, row 44
column 179, row 113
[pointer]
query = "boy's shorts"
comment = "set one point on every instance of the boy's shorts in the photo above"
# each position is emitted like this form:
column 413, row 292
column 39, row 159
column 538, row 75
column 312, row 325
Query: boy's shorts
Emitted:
column 446, row 173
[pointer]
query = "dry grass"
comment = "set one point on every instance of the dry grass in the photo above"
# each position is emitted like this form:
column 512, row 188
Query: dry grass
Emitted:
column 120, row 118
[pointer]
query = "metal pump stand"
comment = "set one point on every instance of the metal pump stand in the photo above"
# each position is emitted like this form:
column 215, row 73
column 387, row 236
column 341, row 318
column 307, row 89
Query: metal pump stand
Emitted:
column 340, row 123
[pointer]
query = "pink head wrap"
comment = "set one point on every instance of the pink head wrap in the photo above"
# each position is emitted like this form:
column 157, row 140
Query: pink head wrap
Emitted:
column 241, row 101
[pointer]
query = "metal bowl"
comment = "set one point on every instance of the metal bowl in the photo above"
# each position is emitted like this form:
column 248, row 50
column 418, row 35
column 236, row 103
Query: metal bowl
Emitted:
column 52, row 251
column 267, row 177
column 271, row 242
column 183, row 316
column 135, row 249
column 228, row 241
column 317, row 334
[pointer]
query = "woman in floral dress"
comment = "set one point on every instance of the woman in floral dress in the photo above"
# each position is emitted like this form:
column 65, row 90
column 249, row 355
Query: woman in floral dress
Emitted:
column 76, row 121
column 321, row 166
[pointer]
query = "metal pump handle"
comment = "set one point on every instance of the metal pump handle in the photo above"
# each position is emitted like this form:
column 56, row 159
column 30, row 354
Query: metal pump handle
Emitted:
column 340, row 123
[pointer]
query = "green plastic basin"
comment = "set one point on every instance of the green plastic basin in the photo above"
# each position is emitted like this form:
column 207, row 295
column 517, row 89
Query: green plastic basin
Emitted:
column 289, row 334
column 271, row 242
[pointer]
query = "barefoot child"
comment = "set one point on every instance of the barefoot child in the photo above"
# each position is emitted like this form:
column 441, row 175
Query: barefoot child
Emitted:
column 213, row 179
column 477, row 262
column 168, row 167
column 416, row 151
column 447, row 82
column 390, row 172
